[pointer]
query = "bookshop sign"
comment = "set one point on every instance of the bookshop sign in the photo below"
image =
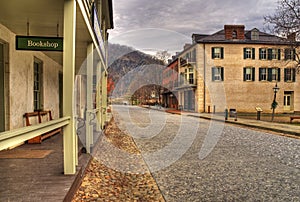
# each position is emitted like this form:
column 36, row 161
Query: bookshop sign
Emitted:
column 37, row 43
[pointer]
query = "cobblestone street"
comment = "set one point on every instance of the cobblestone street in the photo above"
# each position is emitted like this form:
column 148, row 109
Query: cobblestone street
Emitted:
column 193, row 160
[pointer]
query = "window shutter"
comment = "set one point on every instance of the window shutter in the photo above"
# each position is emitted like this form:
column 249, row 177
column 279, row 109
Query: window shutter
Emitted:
column 222, row 73
column 260, row 74
column 222, row 53
column 279, row 54
column 294, row 54
column 278, row 73
column 294, row 74
column 244, row 53
column 213, row 72
column 212, row 53
column 259, row 54
column 253, row 74
column 269, row 54
column 269, row 74
column 286, row 52
column 244, row 74
column 253, row 53
column 285, row 75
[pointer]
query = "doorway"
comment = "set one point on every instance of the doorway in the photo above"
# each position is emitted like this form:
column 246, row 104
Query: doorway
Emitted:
column 288, row 101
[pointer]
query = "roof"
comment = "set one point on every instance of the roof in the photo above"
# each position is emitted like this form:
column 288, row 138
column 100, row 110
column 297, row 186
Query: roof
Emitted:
column 219, row 37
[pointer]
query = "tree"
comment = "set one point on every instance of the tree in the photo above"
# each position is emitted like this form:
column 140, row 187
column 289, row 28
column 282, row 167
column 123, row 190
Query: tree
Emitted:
column 163, row 55
column 285, row 22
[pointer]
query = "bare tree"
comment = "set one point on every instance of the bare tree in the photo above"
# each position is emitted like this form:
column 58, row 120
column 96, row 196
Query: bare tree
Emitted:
column 285, row 22
column 163, row 55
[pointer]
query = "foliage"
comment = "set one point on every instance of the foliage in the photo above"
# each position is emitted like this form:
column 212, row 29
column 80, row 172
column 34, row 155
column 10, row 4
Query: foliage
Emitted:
column 285, row 22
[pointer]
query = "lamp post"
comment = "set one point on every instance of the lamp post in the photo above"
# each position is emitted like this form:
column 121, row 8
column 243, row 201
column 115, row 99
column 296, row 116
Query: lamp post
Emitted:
column 274, row 104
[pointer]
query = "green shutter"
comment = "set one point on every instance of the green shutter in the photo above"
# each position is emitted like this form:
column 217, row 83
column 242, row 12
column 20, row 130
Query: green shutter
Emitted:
column 285, row 75
column 279, row 54
column 253, row 53
column 294, row 54
column 213, row 72
column 269, row 54
column 253, row 74
column 294, row 74
column 278, row 79
column 212, row 53
column 244, row 74
column 244, row 53
column 222, row 53
column 286, row 52
column 260, row 74
column 222, row 73
column 259, row 50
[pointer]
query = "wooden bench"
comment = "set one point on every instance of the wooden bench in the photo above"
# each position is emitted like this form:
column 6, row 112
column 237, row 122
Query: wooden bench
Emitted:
column 295, row 116
column 39, row 115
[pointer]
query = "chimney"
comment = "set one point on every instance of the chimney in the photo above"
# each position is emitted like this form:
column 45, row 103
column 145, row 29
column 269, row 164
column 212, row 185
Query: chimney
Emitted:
column 234, row 32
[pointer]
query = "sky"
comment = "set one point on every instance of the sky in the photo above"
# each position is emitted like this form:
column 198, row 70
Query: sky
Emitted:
column 156, row 25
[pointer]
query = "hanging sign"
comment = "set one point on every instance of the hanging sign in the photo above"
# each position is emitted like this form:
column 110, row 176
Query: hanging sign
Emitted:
column 39, row 43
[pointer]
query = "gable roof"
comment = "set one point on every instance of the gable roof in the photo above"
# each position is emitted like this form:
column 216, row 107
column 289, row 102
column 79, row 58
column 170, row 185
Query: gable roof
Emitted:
column 264, row 38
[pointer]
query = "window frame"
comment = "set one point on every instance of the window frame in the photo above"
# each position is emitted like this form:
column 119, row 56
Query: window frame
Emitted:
column 38, row 91
column 214, row 53
column 263, row 53
column 271, row 74
column 251, row 75
column 249, row 53
column 217, row 73
column 263, row 76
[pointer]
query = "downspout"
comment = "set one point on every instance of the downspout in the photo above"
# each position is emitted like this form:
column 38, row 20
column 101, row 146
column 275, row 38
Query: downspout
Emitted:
column 204, row 75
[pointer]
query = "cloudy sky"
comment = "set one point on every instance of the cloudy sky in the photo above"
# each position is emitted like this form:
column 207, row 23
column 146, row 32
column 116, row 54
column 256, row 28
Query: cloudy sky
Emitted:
column 152, row 25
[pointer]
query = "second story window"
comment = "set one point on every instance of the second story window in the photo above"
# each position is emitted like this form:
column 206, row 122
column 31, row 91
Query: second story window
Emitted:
column 217, row 73
column 274, row 54
column 217, row 52
column 289, row 54
column 249, row 73
column 249, row 53
column 262, row 53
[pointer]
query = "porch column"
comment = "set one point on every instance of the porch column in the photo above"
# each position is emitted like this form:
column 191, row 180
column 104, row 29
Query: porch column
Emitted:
column 104, row 98
column 69, row 137
column 98, row 97
column 89, row 97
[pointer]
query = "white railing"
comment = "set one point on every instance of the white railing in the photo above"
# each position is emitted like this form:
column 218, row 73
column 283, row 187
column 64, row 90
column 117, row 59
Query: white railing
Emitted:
column 17, row 136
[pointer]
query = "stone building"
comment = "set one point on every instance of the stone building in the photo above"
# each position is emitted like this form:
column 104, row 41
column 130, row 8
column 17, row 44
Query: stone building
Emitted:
column 237, row 69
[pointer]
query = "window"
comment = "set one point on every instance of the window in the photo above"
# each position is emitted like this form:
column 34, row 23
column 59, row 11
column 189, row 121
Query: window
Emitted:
column 274, row 54
column 38, row 85
column 254, row 34
column 217, row 74
column 289, row 75
column 234, row 35
column 262, row 53
column 249, row 73
column 289, row 54
column 249, row 53
column 189, row 76
column 263, row 74
column 274, row 74
column 217, row 52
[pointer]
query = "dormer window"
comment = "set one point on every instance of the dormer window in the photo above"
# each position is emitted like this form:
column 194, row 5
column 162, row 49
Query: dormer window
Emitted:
column 234, row 34
column 255, row 34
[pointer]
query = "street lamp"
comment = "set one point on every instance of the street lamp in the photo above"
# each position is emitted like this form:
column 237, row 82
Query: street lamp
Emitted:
column 274, row 104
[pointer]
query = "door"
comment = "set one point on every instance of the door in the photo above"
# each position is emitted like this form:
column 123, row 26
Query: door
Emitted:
column 288, row 101
column 2, row 89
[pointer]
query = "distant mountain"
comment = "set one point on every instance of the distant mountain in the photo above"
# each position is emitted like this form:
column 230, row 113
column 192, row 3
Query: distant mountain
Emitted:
column 130, row 69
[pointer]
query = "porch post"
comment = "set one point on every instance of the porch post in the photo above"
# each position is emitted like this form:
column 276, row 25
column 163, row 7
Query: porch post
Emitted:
column 89, row 94
column 104, row 98
column 98, row 97
column 69, row 137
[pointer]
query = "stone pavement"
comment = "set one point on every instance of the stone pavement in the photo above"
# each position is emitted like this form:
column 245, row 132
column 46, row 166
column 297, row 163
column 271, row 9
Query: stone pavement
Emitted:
column 113, row 177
